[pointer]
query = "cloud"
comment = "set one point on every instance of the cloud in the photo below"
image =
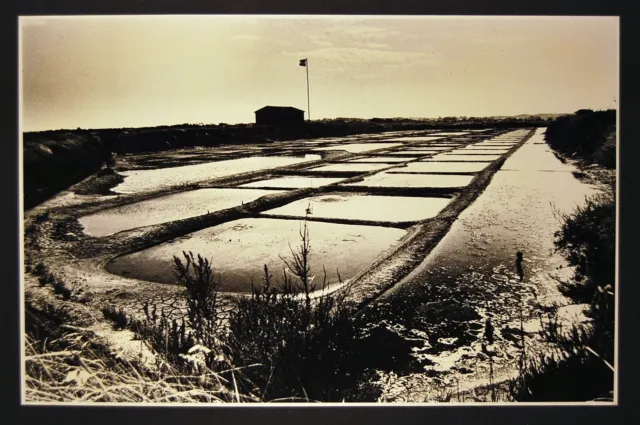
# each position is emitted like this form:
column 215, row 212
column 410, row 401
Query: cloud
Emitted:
column 352, row 55
column 246, row 37
column 371, row 45
column 362, row 31
column 320, row 40
column 499, row 40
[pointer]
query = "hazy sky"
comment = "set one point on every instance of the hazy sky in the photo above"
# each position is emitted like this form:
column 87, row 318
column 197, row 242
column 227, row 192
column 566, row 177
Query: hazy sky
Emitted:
column 97, row 72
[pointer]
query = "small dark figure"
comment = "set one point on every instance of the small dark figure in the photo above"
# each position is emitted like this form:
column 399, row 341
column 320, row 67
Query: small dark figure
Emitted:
column 519, row 265
column 488, row 331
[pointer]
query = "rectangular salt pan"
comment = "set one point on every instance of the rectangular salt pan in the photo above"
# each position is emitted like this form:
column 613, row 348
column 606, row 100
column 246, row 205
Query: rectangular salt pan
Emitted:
column 448, row 157
column 358, row 147
column 480, row 150
column 167, row 208
column 413, row 180
column 348, row 166
column 144, row 180
column 293, row 182
column 429, row 166
column 505, row 146
column 240, row 249
column 364, row 207
column 382, row 159
column 421, row 149
column 467, row 152
column 415, row 139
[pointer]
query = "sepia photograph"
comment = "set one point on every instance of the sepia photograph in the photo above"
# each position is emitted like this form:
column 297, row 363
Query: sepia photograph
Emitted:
column 319, row 209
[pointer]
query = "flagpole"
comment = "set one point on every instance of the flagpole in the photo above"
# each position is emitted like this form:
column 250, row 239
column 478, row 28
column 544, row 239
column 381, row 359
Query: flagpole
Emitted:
column 308, row 101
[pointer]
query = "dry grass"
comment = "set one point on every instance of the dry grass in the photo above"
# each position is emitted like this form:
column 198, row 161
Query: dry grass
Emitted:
column 69, row 369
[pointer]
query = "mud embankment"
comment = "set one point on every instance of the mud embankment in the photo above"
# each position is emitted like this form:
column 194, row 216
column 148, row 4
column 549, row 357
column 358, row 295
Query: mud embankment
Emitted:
column 53, row 162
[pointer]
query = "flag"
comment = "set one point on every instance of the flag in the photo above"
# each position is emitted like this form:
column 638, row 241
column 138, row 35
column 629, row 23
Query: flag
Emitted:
column 303, row 62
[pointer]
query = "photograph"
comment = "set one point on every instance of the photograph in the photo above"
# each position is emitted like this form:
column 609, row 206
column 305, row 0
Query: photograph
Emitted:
column 318, row 210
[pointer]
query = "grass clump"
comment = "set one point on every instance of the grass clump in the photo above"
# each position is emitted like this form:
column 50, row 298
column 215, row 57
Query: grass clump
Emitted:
column 117, row 315
column 40, row 269
column 73, row 369
column 59, row 288
column 65, row 363
column 204, row 310
column 45, row 277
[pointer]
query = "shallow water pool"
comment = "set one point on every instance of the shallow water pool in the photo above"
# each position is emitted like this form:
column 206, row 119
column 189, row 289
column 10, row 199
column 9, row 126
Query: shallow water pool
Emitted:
column 145, row 180
column 415, row 138
column 383, row 159
column 453, row 133
column 239, row 250
column 431, row 148
column 365, row 207
column 293, row 182
column 358, row 147
column 397, row 180
column 167, row 208
column 430, row 166
column 449, row 157
column 350, row 166
column 483, row 150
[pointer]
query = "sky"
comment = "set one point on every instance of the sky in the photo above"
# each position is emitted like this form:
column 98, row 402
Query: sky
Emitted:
column 137, row 71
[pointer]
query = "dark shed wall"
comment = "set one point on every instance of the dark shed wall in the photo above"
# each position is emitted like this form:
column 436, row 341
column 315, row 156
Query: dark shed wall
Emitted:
column 279, row 116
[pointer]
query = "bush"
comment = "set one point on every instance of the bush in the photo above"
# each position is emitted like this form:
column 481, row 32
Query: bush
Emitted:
column 605, row 155
column 300, row 345
column 587, row 241
column 203, row 306
column 584, row 134
column 574, row 372
column 110, row 162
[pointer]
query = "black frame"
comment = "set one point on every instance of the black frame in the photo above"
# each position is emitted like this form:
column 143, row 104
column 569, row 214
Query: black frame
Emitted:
column 625, row 412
